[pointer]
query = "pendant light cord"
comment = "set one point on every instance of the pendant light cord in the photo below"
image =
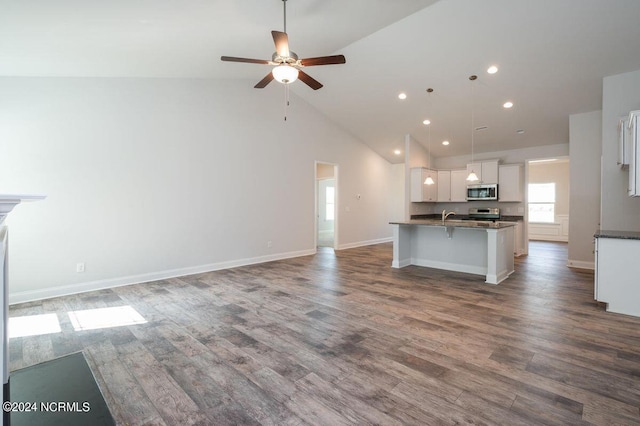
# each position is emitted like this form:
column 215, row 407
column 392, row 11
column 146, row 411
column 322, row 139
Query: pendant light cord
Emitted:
column 472, row 117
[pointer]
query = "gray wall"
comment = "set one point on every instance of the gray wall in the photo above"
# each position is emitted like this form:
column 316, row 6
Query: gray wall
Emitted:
column 151, row 178
column 584, row 210
column 621, row 94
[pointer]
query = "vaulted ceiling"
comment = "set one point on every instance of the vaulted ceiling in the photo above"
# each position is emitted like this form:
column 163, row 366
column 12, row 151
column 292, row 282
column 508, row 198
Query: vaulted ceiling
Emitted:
column 552, row 56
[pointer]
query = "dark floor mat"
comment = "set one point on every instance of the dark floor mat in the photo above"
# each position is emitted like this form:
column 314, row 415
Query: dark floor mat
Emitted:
column 59, row 392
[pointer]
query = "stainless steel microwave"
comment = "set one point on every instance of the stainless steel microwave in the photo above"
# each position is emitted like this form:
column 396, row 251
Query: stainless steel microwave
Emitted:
column 482, row 192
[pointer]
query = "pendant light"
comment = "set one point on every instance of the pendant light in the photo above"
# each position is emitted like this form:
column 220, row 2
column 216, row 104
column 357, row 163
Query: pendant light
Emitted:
column 429, row 179
column 472, row 176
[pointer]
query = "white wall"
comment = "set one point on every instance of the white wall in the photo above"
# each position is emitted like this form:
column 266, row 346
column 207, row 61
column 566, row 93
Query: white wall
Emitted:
column 553, row 172
column 396, row 193
column 506, row 157
column 584, row 209
column 150, row 178
column 620, row 94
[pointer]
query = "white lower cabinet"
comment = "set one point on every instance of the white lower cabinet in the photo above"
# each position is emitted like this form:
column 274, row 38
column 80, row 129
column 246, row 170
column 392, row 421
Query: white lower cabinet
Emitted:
column 518, row 238
column 617, row 271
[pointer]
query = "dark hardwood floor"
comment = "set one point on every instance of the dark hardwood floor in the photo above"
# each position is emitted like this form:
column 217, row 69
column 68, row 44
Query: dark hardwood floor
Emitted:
column 343, row 338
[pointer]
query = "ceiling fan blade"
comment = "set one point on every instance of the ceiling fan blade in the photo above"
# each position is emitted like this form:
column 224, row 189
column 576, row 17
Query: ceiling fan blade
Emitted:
column 308, row 80
column 263, row 83
column 251, row 61
column 324, row 60
column 281, row 41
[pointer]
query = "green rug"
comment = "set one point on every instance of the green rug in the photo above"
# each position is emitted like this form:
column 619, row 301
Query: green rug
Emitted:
column 58, row 392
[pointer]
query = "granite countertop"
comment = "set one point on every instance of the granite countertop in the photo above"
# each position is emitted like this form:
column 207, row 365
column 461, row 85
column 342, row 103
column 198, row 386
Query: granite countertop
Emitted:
column 623, row 235
column 461, row 216
column 456, row 223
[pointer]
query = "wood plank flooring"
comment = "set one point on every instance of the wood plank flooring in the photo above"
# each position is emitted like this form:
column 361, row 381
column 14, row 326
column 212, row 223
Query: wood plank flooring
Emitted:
column 342, row 338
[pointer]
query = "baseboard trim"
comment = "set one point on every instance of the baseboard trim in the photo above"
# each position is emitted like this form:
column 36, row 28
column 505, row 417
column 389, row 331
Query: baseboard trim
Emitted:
column 581, row 264
column 559, row 239
column 468, row 269
column 365, row 243
column 32, row 295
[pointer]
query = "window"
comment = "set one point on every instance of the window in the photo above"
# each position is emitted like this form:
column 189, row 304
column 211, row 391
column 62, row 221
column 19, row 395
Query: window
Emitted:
column 542, row 202
column 330, row 203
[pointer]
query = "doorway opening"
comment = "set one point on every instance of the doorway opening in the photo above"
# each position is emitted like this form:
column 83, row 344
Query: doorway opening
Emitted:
column 547, row 203
column 326, row 204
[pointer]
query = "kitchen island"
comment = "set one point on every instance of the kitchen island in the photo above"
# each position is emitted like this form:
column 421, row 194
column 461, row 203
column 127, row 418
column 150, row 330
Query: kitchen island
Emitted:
column 482, row 248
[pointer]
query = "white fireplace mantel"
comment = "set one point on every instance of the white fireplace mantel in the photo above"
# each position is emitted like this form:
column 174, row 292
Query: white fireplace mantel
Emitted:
column 9, row 201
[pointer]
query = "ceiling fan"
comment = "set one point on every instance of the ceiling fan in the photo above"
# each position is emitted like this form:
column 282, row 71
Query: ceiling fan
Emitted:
column 287, row 67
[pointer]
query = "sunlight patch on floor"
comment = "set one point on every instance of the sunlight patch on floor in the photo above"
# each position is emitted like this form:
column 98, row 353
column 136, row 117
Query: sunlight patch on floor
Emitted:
column 34, row 325
column 92, row 319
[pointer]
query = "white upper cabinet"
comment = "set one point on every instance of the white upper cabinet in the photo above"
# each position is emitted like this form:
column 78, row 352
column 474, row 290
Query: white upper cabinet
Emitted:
column 633, row 129
column 624, row 143
column 444, row 185
column 459, row 185
column 487, row 171
column 421, row 192
column 511, row 183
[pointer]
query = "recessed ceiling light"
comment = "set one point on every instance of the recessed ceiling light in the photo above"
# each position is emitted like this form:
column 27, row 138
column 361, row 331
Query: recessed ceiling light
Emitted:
column 520, row 131
column 397, row 152
column 426, row 122
column 445, row 143
column 402, row 96
column 492, row 69
column 508, row 104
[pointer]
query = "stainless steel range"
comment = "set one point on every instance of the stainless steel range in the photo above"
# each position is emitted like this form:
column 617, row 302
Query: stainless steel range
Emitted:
column 484, row 213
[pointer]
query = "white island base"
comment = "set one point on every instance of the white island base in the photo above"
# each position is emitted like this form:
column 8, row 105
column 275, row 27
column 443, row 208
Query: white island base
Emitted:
column 474, row 249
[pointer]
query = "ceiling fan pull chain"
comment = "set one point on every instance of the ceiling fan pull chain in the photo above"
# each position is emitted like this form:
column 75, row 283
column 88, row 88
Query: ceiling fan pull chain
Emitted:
column 286, row 100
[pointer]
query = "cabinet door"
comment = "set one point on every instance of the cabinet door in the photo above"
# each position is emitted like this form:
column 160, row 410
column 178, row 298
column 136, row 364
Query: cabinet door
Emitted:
column 510, row 183
column 430, row 192
column 623, row 142
column 477, row 169
column 634, row 163
column 444, row 185
column 419, row 191
column 489, row 172
column 459, row 185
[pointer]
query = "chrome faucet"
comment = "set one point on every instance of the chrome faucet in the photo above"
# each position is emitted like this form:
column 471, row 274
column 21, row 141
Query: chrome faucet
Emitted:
column 445, row 215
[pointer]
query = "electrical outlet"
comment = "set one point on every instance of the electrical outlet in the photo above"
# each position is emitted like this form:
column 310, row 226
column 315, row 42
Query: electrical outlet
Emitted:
column 80, row 267
column 269, row 244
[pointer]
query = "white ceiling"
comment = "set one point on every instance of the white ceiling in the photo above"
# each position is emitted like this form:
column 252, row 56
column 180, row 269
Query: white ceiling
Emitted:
column 552, row 56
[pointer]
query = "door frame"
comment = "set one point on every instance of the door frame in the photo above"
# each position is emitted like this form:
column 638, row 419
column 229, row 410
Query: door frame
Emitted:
column 315, row 203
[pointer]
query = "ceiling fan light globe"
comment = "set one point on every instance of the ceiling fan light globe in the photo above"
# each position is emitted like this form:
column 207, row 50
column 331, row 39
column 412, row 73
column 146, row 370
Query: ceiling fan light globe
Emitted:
column 285, row 74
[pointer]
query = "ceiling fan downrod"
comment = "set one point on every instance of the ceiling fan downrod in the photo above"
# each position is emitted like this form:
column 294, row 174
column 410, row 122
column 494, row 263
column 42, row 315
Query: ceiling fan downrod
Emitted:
column 284, row 4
